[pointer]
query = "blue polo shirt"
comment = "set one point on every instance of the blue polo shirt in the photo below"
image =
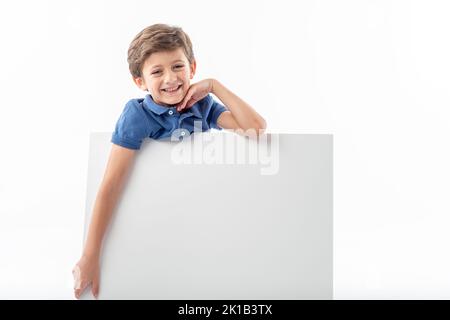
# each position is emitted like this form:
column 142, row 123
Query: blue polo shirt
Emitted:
column 142, row 118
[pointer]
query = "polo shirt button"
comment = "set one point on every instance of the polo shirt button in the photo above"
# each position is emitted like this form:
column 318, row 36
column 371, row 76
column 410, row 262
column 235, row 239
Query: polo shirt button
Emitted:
column 183, row 133
column 170, row 112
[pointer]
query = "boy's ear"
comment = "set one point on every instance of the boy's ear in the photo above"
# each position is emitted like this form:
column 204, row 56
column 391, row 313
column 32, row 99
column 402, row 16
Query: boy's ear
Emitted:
column 140, row 83
column 193, row 68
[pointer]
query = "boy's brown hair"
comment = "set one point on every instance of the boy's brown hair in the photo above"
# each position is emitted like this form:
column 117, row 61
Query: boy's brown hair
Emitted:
column 156, row 38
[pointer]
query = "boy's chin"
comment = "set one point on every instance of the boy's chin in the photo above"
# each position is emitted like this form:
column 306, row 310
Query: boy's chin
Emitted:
column 174, row 101
column 169, row 101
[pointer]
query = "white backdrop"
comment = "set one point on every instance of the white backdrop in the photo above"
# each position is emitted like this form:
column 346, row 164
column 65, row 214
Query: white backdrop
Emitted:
column 372, row 73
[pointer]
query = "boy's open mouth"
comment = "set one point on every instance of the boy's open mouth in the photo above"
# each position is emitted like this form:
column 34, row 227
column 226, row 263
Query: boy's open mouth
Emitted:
column 172, row 90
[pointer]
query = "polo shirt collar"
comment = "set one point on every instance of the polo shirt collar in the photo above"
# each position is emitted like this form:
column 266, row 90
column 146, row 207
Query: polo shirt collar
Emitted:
column 156, row 108
column 159, row 110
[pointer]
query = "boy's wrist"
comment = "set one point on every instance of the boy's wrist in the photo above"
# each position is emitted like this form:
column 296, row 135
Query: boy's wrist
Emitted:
column 91, row 257
column 91, row 254
column 213, row 85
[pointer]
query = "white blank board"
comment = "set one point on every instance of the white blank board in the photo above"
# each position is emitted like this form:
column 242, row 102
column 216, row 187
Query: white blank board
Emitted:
column 218, row 231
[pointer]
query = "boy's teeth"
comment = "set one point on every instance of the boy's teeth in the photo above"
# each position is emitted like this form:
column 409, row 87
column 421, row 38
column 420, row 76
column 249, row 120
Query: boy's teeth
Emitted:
column 171, row 90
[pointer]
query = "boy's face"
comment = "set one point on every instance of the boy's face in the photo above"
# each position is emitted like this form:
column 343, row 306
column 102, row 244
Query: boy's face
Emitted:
column 166, row 75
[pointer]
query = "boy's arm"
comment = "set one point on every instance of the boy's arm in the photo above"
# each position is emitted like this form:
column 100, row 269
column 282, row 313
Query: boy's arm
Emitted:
column 240, row 114
column 119, row 163
column 87, row 270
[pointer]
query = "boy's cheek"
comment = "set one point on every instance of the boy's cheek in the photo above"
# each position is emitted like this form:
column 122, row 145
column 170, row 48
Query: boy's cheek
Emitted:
column 183, row 95
column 186, row 89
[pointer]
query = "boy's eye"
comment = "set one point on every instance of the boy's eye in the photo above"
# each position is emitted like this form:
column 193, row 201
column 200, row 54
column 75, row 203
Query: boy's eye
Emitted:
column 179, row 66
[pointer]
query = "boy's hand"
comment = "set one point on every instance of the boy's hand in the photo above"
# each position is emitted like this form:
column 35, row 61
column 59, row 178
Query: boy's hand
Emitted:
column 86, row 272
column 196, row 92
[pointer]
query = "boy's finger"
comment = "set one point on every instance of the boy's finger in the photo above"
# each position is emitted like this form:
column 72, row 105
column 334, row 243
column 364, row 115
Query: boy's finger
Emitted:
column 185, row 100
column 181, row 106
column 190, row 103
column 95, row 288
column 76, row 277
column 77, row 284
column 77, row 293
column 76, row 272
column 182, row 103
column 80, row 289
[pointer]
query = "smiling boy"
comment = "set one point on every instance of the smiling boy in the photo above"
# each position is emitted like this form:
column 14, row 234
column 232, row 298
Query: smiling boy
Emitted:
column 162, row 63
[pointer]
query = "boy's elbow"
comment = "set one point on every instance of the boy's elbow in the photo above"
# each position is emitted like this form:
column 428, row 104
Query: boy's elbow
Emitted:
column 263, row 124
column 257, row 128
column 260, row 126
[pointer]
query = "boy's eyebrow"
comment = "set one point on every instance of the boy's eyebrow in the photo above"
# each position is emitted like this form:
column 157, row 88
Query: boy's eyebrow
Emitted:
column 158, row 65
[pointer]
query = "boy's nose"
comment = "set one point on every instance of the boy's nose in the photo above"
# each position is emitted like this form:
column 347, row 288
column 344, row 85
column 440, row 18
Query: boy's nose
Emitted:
column 170, row 78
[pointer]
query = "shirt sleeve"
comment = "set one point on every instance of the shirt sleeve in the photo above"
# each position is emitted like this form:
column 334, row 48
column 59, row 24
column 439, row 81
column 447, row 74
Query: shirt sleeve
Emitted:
column 214, row 113
column 131, row 128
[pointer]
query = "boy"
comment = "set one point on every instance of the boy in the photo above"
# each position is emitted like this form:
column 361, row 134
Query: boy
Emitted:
column 161, row 61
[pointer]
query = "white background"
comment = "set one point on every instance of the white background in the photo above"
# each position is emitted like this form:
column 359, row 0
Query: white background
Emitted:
column 375, row 74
